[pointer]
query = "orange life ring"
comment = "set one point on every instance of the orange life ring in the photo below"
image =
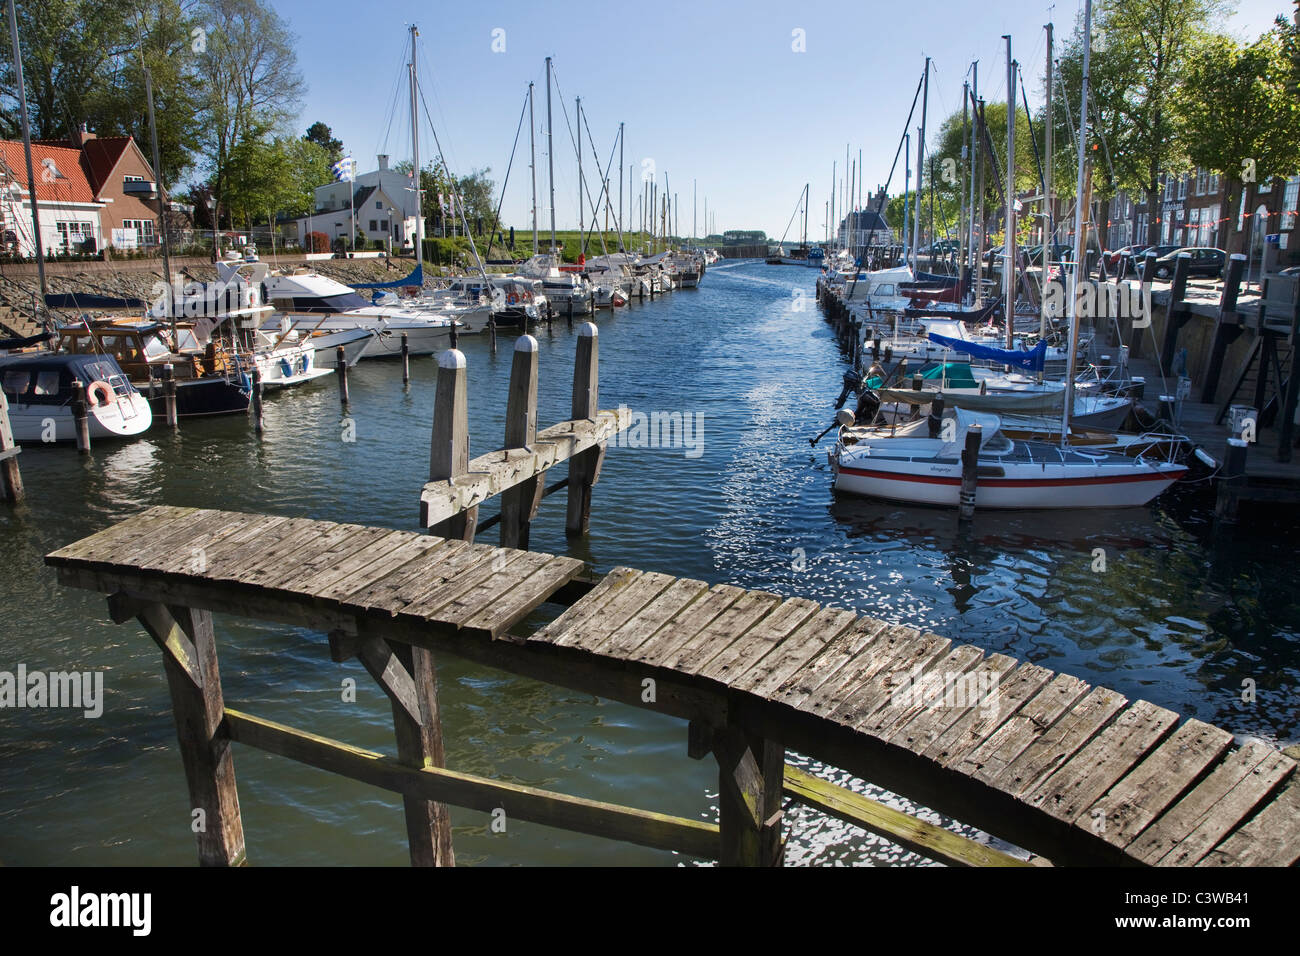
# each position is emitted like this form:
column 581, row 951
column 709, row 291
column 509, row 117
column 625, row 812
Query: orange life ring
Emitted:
column 93, row 389
column 512, row 299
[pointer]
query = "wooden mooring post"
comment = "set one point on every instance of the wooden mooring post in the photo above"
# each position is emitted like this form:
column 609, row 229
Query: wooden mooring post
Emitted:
column 584, row 467
column 449, row 448
column 970, row 457
column 1232, row 478
column 1226, row 328
column 10, row 475
column 341, row 371
column 256, row 401
column 1176, row 314
column 169, row 395
column 406, row 360
column 519, row 503
column 81, row 417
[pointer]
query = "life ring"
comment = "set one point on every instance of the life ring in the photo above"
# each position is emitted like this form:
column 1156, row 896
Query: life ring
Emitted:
column 512, row 299
column 94, row 389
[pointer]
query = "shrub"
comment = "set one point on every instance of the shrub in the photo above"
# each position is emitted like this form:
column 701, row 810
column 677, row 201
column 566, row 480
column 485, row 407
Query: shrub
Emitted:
column 318, row 242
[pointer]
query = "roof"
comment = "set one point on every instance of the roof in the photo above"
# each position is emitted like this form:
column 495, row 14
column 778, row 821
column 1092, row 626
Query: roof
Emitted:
column 59, row 176
column 866, row 219
column 100, row 157
column 362, row 194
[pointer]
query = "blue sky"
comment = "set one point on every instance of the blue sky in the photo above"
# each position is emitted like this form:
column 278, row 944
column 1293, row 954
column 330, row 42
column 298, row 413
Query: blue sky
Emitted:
column 711, row 91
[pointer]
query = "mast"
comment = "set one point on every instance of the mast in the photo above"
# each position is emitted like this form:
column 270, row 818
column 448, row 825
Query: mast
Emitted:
column 1080, row 241
column 1048, row 231
column 973, row 248
column 550, row 150
column 582, row 228
column 27, row 149
column 162, row 203
column 695, row 208
column 961, row 216
column 532, row 165
column 833, row 185
column 980, row 134
column 806, row 199
column 1009, row 245
column 920, row 165
column 620, row 186
column 907, row 179
column 415, row 158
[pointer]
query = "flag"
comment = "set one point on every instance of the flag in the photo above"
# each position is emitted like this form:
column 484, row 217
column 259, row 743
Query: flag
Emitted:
column 345, row 170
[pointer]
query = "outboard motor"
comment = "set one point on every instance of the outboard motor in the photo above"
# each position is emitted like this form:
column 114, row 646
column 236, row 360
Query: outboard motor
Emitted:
column 852, row 383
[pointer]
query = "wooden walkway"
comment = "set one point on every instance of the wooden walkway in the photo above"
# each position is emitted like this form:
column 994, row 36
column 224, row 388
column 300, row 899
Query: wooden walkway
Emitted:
column 1074, row 773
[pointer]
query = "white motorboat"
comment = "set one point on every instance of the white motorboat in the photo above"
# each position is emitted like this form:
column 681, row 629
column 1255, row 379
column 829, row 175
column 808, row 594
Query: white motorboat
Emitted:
column 1011, row 474
column 39, row 389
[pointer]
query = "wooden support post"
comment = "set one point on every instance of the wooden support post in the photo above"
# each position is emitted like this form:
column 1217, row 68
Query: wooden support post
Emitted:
column 452, row 334
column 875, row 349
column 751, row 772
column 1232, row 478
column 1165, row 411
column 189, row 648
column 449, row 449
column 406, row 359
column 969, row 473
column 1175, row 313
column 169, row 395
column 935, row 421
column 1286, row 426
column 1137, row 334
column 409, row 677
column 584, row 467
column 1226, row 328
column 570, row 311
column 519, row 503
column 492, row 332
column 81, row 417
column 10, row 476
column 257, row 400
column 341, row 370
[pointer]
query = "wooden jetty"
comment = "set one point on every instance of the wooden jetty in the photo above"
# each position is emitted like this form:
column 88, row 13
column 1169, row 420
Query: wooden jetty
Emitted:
column 1074, row 773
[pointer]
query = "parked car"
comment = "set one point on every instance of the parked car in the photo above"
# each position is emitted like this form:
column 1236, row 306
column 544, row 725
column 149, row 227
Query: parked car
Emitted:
column 1113, row 259
column 1137, row 260
column 1205, row 262
column 1290, row 271
column 1058, row 252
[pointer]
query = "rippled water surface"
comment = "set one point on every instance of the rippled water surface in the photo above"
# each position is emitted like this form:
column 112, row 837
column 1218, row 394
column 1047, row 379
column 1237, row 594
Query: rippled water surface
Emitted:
column 1182, row 614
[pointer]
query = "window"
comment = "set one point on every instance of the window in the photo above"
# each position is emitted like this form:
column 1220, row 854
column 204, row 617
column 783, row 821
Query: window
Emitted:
column 1202, row 180
column 132, row 179
column 379, row 204
column 143, row 230
column 1214, row 184
column 1169, row 188
column 1290, row 202
column 15, row 383
column 1182, row 187
column 73, row 233
column 1194, row 227
column 47, row 383
column 1210, row 225
column 374, row 225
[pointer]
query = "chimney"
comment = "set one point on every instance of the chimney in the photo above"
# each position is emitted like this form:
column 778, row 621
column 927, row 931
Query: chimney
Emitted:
column 383, row 161
column 83, row 135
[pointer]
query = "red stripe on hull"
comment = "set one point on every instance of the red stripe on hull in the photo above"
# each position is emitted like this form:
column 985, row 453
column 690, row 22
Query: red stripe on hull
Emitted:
column 1017, row 482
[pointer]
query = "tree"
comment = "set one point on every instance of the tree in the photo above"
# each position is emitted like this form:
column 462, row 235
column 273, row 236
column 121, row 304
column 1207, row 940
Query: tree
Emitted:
column 1141, row 53
column 250, row 75
column 1245, row 119
column 323, row 136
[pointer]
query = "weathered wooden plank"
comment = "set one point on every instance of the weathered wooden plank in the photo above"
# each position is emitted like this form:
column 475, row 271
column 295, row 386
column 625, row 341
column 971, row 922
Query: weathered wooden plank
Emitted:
column 811, row 638
column 614, row 613
column 428, row 606
column 1157, row 781
column 1083, row 721
column 735, row 659
column 364, row 592
column 101, row 545
column 641, row 827
column 408, row 548
column 751, row 770
column 971, row 729
column 419, row 745
column 522, row 600
column 902, row 829
column 1271, row 838
column 1036, row 716
column 223, row 560
column 667, row 605
column 860, row 703
column 490, row 474
column 178, row 543
column 372, row 552
column 901, row 646
column 296, row 533
column 515, row 570
column 1074, row 788
column 748, row 610
column 606, row 589
column 687, row 623
column 925, row 726
column 839, row 651
column 1195, row 824
column 396, row 590
column 305, row 562
column 945, row 685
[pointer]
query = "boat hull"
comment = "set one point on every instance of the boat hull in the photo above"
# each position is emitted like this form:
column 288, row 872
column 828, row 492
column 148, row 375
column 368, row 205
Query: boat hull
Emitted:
column 40, row 424
column 196, row 398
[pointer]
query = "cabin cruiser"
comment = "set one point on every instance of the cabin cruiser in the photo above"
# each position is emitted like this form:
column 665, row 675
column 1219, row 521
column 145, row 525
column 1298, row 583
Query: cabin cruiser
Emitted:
column 564, row 286
column 39, row 388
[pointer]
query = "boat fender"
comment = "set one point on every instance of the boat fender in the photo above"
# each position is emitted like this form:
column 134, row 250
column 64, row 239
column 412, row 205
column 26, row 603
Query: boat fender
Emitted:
column 96, row 389
column 1206, row 459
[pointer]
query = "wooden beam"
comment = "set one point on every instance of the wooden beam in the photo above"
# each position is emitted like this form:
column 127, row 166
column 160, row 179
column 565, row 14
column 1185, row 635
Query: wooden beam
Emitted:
column 493, row 473
column 642, row 827
column 750, row 774
column 1226, row 329
column 419, row 745
column 924, row 839
column 205, row 750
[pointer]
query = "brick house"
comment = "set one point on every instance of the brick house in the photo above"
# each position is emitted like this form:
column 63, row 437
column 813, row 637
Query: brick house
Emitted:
column 124, row 181
column 70, row 213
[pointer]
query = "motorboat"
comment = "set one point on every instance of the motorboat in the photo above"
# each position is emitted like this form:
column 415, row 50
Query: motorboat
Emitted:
column 39, row 388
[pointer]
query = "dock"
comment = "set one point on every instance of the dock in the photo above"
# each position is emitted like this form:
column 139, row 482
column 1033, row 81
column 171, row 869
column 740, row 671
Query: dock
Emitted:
column 1073, row 773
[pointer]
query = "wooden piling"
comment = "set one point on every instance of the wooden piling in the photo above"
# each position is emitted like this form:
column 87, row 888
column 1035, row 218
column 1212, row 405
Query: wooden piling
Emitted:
column 257, row 401
column 81, row 417
column 570, row 312
column 1226, row 329
column 341, row 371
column 935, row 421
column 751, row 772
column 406, row 359
column 969, row 472
column 10, row 475
column 1286, row 424
column 519, row 503
column 1175, row 315
column 584, row 468
column 169, row 395
column 1232, row 479
column 449, row 447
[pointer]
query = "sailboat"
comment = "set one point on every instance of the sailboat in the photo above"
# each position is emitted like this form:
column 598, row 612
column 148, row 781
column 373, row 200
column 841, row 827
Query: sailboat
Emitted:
column 1010, row 473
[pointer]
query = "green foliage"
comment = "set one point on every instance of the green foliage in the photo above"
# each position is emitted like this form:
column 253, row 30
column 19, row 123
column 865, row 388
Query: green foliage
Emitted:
column 321, row 135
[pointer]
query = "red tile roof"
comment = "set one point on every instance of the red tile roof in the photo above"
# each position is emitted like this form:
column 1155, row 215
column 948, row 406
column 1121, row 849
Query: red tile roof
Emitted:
column 59, row 176
column 100, row 156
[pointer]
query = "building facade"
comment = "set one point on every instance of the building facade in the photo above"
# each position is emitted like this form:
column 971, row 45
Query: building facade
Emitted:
column 383, row 203
column 70, row 213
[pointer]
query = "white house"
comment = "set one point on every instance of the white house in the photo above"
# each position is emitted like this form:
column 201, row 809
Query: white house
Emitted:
column 382, row 201
column 69, row 211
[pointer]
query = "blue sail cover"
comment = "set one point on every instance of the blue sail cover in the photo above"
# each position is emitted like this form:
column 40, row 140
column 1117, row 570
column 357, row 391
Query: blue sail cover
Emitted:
column 415, row 278
column 1031, row 361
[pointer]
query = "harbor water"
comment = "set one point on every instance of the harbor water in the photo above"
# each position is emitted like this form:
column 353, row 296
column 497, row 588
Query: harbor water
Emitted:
column 1157, row 603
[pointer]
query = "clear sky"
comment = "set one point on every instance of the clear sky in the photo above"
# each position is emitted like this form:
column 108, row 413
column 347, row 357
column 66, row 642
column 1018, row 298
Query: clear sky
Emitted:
column 713, row 91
